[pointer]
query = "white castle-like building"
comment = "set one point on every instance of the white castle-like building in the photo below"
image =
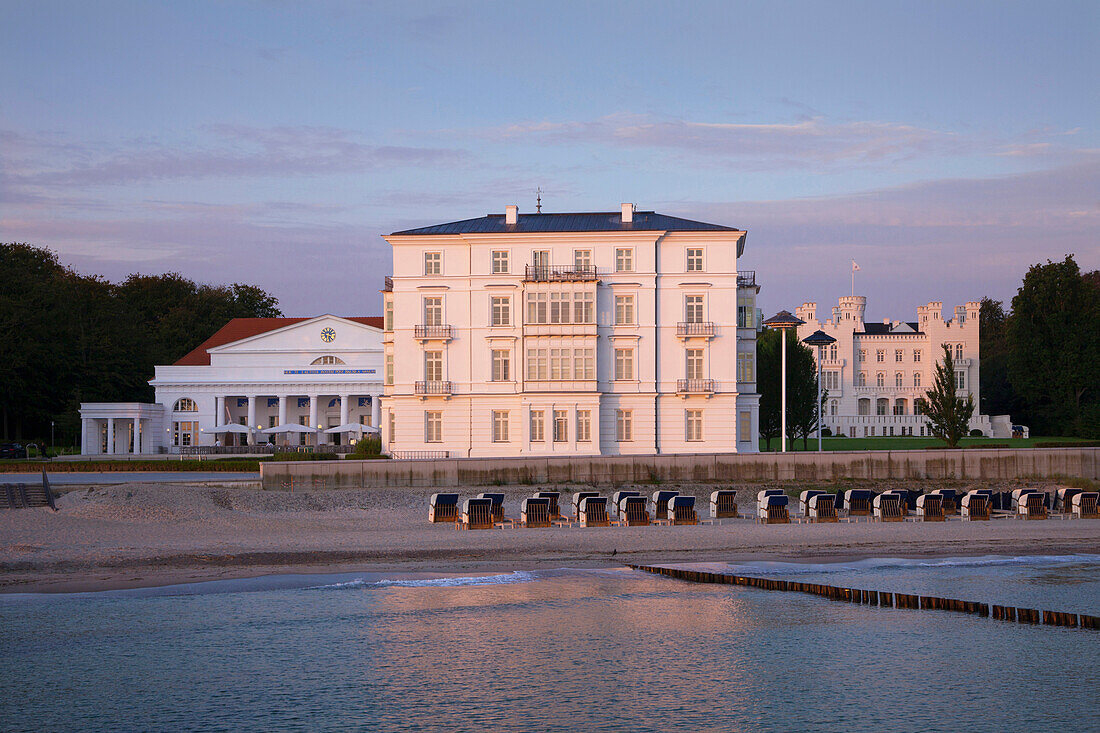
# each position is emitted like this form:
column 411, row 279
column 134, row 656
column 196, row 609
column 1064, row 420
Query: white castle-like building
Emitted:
column 875, row 372
column 616, row 333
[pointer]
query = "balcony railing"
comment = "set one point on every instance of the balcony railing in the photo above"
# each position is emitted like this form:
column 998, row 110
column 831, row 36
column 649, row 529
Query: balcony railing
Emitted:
column 546, row 273
column 695, row 328
column 433, row 387
column 433, row 332
column 695, row 386
column 388, row 284
column 418, row 455
column 746, row 279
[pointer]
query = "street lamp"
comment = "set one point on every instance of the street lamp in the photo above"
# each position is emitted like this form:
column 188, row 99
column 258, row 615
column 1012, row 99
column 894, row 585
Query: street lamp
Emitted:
column 781, row 321
column 820, row 339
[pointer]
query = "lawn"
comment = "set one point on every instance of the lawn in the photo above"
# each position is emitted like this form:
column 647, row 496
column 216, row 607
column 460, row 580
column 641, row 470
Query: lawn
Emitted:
column 898, row 443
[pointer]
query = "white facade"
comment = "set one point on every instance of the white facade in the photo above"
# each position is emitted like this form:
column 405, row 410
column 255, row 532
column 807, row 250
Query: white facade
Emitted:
column 319, row 372
column 875, row 372
column 569, row 334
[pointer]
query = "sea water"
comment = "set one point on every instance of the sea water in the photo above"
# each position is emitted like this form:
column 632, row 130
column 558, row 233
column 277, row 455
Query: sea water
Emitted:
column 559, row 650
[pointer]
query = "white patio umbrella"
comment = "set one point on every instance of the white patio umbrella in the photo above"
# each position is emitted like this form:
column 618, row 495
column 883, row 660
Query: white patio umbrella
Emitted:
column 228, row 428
column 289, row 427
column 353, row 427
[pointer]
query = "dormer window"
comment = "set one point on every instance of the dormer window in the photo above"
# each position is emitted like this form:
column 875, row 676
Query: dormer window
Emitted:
column 326, row 360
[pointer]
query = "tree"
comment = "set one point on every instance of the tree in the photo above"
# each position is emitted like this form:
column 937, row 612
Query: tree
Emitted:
column 767, row 384
column 801, row 386
column 948, row 414
column 998, row 397
column 1054, row 349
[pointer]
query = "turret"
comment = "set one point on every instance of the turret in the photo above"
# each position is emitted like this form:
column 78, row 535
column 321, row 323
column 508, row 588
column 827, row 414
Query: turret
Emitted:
column 851, row 309
column 926, row 313
column 807, row 312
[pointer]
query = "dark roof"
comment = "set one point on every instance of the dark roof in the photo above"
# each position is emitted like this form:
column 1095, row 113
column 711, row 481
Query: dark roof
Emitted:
column 644, row 221
column 242, row 328
column 884, row 329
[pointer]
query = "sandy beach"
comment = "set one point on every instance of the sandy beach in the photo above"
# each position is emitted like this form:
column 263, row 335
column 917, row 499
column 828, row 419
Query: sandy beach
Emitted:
column 156, row 534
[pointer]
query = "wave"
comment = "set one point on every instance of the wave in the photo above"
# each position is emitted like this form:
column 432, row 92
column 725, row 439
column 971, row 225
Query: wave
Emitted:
column 519, row 576
column 795, row 568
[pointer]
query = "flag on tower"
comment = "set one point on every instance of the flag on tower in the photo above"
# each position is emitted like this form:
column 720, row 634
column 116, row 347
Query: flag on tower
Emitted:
column 855, row 267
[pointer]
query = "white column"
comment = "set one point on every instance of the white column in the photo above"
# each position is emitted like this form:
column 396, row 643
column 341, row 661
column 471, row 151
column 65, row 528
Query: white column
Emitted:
column 110, row 435
column 376, row 410
column 345, row 409
column 219, row 411
column 783, row 392
column 85, row 426
column 251, row 418
column 282, row 409
column 137, row 435
column 313, row 416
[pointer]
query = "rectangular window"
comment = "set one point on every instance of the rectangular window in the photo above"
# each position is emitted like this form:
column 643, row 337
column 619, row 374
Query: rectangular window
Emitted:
column 502, row 371
column 958, row 351
column 433, row 263
column 560, row 364
column 501, row 310
column 898, row 380
column 537, row 365
column 880, row 379
column 433, row 311
column 694, row 364
column 694, row 428
column 916, row 379
column 863, row 354
column 897, row 355
column 393, row 428
column 537, row 417
column 582, row 259
column 584, row 364
column 389, row 369
column 880, row 355
column 693, row 308
column 918, row 404
column 433, row 366
column 746, row 366
column 584, row 310
column 831, row 380
column 536, row 308
column 433, row 427
column 744, row 427
column 624, row 259
column 694, row 260
column 500, row 426
column 540, row 258
column 584, row 426
column 388, row 326
column 559, row 307
column 746, row 313
column 865, row 407
column 624, row 310
column 960, row 379
column 862, row 381
column 561, row 426
column 624, row 364
column 916, row 355
column 624, row 425
column 500, row 262
column 899, row 407
column 832, row 352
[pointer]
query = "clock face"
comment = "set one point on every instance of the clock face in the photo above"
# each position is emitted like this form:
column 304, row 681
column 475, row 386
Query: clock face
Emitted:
column 328, row 335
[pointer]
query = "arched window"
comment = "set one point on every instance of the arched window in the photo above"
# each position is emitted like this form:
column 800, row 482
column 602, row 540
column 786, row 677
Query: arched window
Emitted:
column 862, row 382
column 326, row 359
column 880, row 379
column 958, row 351
column 186, row 404
column 898, row 379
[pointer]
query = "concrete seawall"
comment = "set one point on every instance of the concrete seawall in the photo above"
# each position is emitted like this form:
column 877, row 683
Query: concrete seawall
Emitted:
column 964, row 464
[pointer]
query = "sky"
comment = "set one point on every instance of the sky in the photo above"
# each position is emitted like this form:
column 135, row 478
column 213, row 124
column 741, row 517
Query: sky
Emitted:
column 944, row 146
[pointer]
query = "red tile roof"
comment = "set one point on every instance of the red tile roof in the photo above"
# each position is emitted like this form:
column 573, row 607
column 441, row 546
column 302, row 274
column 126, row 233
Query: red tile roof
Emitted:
column 242, row 328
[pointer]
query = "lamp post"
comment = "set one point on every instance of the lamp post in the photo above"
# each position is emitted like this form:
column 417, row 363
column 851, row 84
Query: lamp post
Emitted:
column 820, row 339
column 781, row 321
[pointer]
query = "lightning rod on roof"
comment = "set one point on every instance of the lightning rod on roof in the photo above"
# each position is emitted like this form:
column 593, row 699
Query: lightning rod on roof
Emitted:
column 538, row 200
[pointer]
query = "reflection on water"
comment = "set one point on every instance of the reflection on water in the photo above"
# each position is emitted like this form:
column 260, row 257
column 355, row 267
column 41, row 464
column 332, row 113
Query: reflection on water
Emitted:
column 547, row 650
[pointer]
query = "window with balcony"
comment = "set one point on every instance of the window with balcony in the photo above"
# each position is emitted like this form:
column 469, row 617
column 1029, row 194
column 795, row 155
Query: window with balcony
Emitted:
column 960, row 379
column 433, row 427
column 746, row 366
column 916, row 379
column 899, row 407
column 433, row 311
column 694, row 259
column 433, row 263
column 865, row 406
column 582, row 259
column 502, row 365
column 832, row 352
column 500, row 262
column 624, row 310
column 693, row 308
column 694, row 360
column 881, row 406
column 833, row 405
column 624, row 259
column 500, row 426
column 958, row 351
column 624, row 365
column 624, row 425
column 584, row 426
column 918, row 409
column 561, row 426
column 861, row 381
column 899, row 380
column 433, row 366
column 693, row 429
column 880, row 379
column 538, row 418
column 540, row 258
column 500, row 308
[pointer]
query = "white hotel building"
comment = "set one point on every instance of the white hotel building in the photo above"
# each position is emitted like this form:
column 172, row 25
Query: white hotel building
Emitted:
column 875, row 372
column 618, row 333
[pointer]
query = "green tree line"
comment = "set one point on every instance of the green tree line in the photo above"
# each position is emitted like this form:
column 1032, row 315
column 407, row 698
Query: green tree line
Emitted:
column 67, row 338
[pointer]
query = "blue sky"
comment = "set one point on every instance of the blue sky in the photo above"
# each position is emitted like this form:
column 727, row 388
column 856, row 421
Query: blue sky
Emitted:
column 945, row 146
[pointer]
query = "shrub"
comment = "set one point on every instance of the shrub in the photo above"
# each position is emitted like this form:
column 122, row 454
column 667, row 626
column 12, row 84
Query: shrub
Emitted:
column 975, row 433
column 826, row 433
column 370, row 445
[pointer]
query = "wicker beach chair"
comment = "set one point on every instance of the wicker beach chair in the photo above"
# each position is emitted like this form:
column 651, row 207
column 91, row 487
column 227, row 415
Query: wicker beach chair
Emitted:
column 443, row 508
column 820, row 508
column 632, row 512
column 887, row 507
column 772, row 509
column 498, row 504
column 535, row 512
column 723, row 504
column 1063, row 498
column 1084, row 505
column 975, row 506
column 904, row 498
column 949, row 500
column 858, row 502
column 930, row 508
column 593, row 512
column 578, row 497
column 804, row 500
column 553, row 496
column 660, row 503
column 681, row 510
column 1032, row 506
column 476, row 514
column 618, row 496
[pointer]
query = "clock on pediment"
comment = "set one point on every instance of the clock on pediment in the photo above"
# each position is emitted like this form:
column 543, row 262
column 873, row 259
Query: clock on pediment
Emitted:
column 328, row 335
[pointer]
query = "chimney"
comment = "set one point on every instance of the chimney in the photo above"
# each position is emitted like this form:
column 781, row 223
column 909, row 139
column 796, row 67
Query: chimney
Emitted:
column 628, row 213
column 511, row 214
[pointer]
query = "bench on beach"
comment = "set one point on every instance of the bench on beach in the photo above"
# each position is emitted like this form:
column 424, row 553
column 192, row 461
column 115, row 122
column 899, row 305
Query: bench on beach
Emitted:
column 771, row 508
column 553, row 496
column 887, row 507
column 476, row 514
column 593, row 512
column 820, row 508
column 723, row 504
column 930, row 508
column 1084, row 505
column 975, row 505
column 681, row 510
column 660, row 503
column 535, row 512
column 443, row 508
column 633, row 512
